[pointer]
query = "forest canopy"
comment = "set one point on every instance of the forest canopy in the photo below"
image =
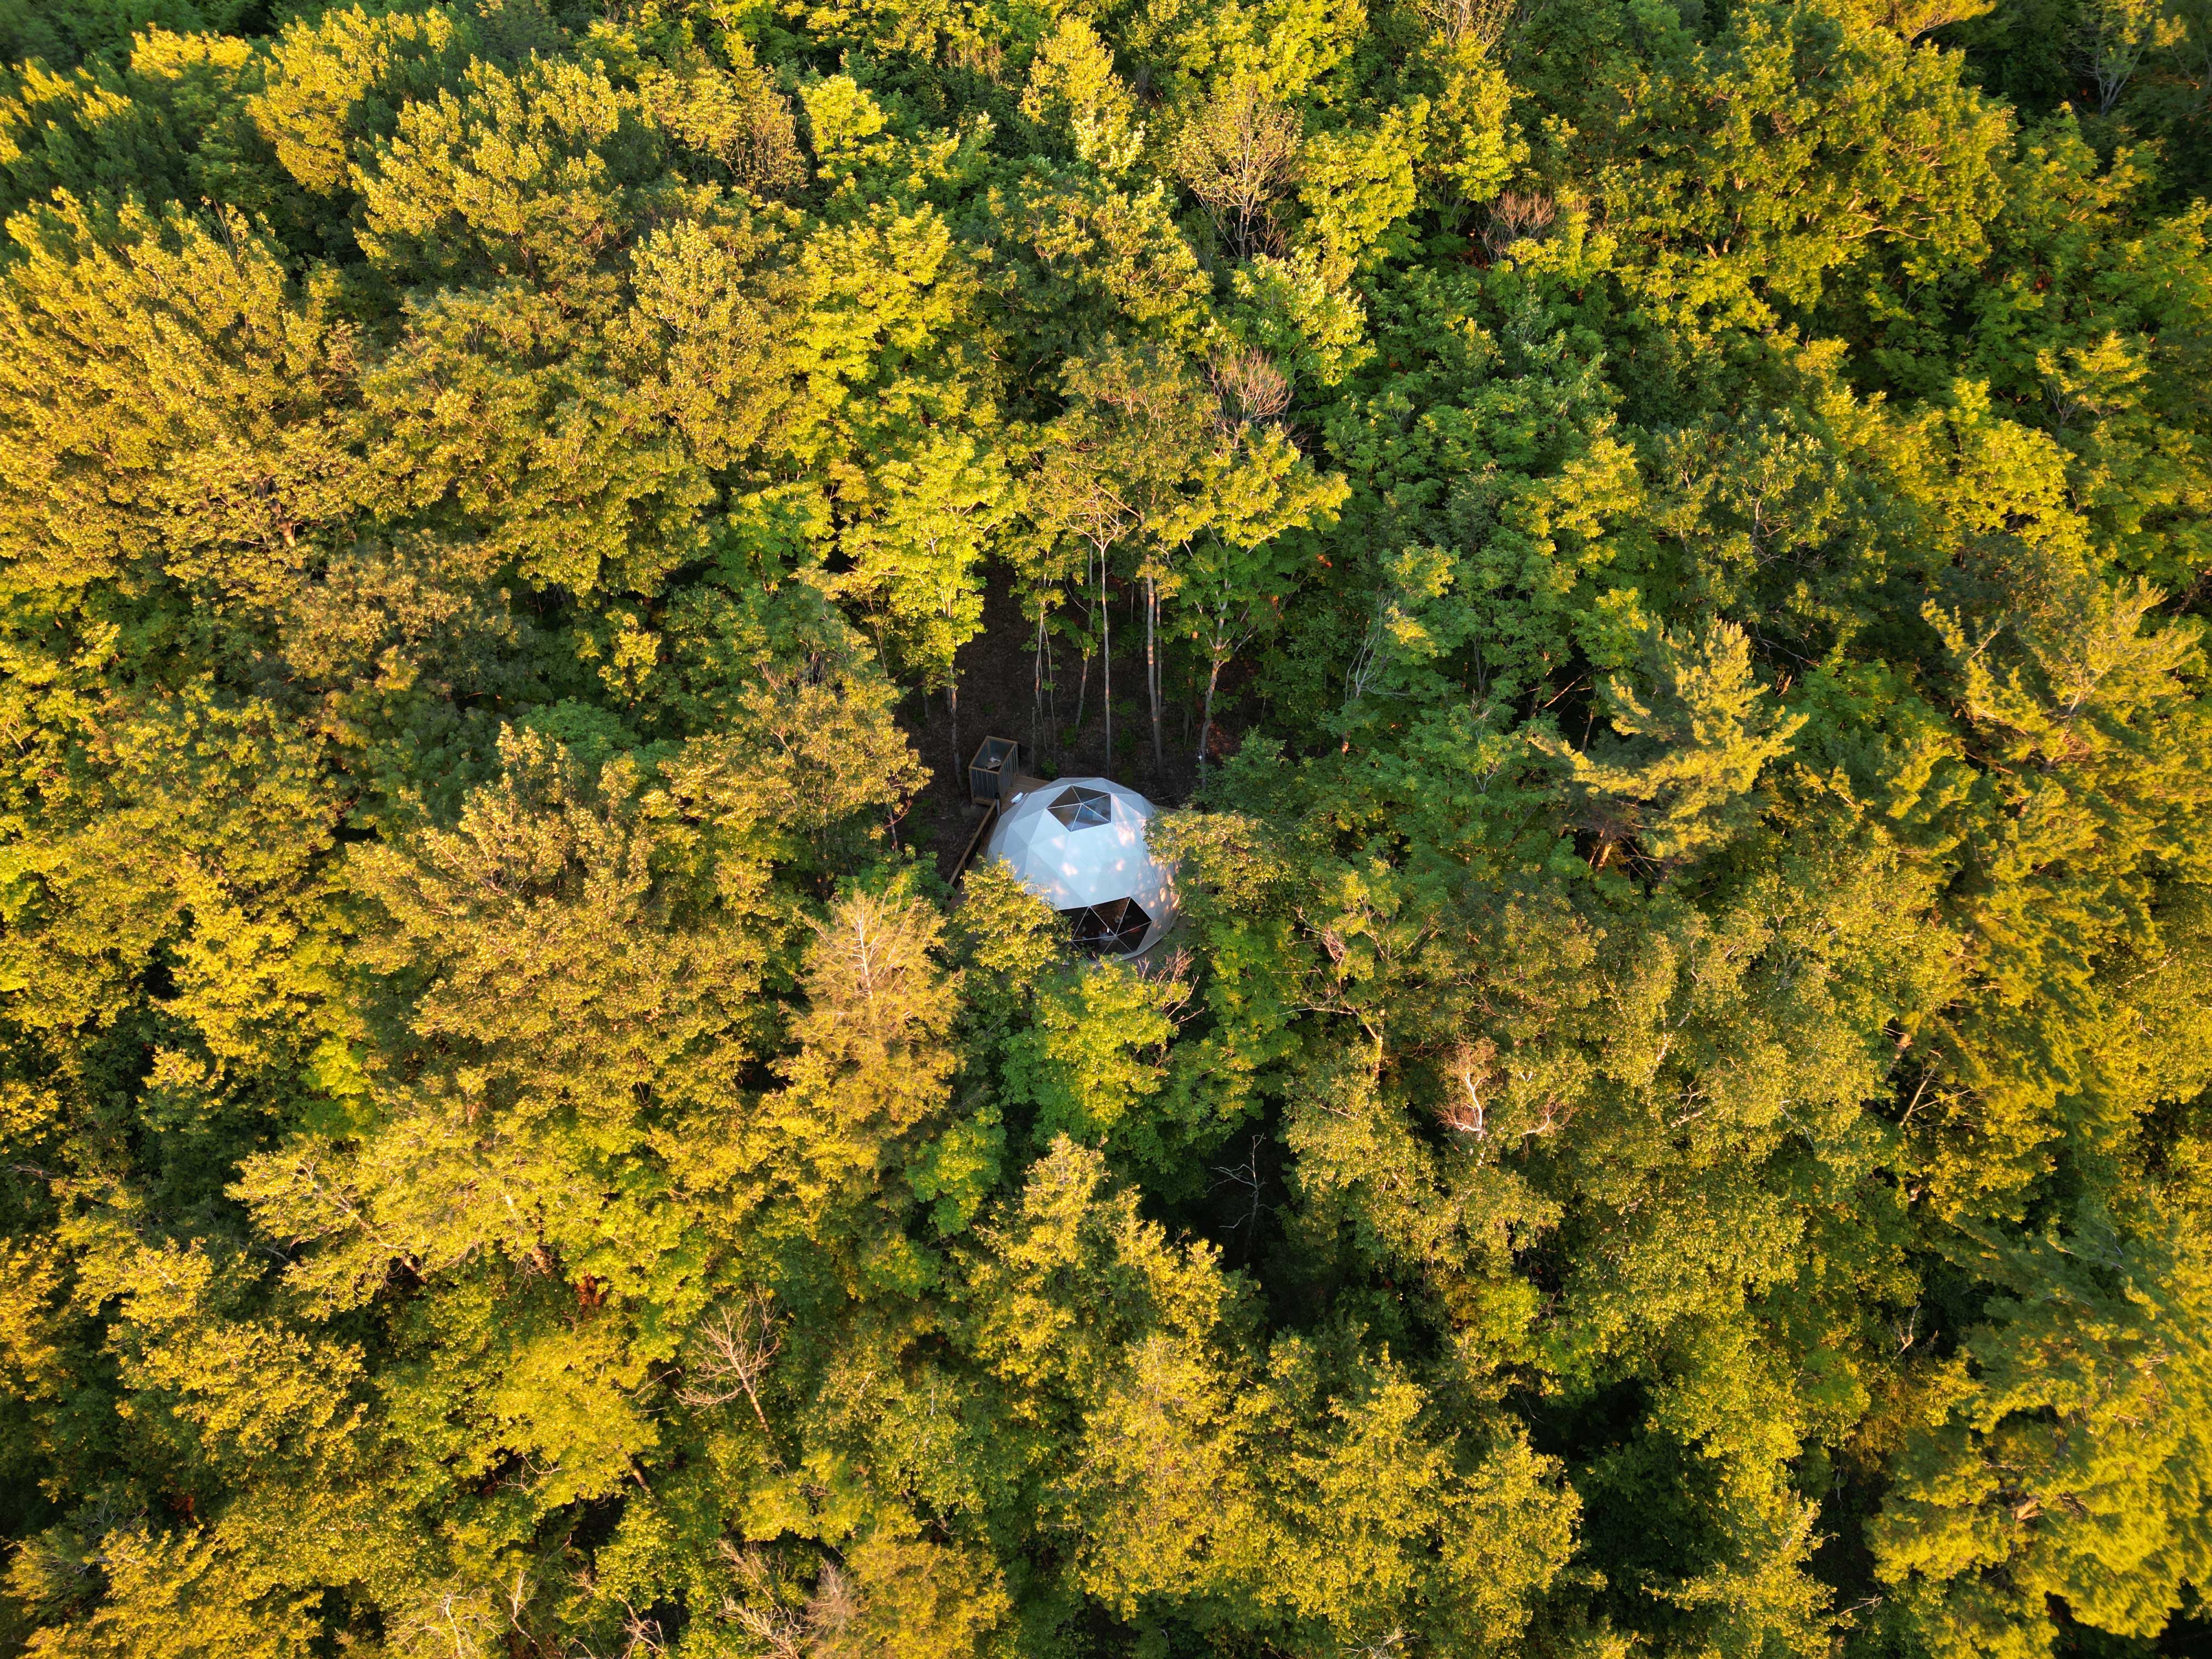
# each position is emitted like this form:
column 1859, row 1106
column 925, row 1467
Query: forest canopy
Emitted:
column 1655, row 551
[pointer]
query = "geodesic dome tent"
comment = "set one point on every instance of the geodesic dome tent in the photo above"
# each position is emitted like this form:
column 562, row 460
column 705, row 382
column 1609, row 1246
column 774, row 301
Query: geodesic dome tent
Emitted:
column 1078, row 845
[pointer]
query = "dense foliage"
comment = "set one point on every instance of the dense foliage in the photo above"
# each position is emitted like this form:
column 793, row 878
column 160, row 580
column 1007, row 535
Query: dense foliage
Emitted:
column 1661, row 542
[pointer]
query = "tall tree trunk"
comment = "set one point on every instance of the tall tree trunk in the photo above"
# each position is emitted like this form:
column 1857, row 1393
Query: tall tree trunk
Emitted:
column 952, row 704
column 1206, row 725
column 1083, row 685
column 1153, row 676
column 1106, row 662
column 1052, row 698
column 1036, row 690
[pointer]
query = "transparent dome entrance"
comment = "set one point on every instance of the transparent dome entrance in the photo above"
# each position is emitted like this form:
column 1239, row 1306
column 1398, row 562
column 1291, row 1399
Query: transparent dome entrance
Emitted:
column 1114, row 928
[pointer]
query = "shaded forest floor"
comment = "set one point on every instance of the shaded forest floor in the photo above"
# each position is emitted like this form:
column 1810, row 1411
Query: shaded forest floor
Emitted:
column 997, row 677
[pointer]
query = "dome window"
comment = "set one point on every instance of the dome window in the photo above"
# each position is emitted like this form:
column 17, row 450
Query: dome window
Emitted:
column 1082, row 809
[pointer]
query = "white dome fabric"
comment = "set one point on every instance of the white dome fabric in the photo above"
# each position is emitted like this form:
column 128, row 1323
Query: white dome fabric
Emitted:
column 1078, row 844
